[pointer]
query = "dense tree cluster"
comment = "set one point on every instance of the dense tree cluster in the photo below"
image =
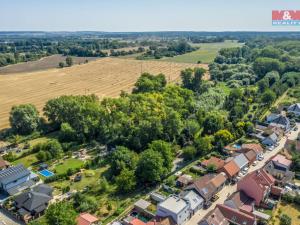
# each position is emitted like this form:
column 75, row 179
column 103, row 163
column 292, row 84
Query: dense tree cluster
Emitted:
column 171, row 49
column 30, row 49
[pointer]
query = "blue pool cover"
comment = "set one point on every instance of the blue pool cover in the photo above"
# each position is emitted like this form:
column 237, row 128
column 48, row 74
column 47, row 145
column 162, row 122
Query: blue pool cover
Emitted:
column 46, row 173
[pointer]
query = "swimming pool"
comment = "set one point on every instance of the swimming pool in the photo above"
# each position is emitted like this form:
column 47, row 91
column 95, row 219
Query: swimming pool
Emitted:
column 237, row 146
column 46, row 173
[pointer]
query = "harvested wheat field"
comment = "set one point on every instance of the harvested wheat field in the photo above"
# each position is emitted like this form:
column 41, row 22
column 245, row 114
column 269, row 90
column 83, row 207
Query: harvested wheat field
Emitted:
column 103, row 77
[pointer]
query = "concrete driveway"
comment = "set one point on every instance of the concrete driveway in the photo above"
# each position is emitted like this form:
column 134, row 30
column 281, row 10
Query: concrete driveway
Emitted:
column 229, row 189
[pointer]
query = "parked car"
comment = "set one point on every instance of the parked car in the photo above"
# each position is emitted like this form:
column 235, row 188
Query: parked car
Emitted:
column 207, row 205
column 254, row 163
column 244, row 172
column 260, row 158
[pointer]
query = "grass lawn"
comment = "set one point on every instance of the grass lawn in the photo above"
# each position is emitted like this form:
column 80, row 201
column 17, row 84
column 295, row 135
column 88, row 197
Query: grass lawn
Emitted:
column 291, row 210
column 27, row 161
column 290, row 97
column 68, row 164
column 206, row 53
column 109, row 201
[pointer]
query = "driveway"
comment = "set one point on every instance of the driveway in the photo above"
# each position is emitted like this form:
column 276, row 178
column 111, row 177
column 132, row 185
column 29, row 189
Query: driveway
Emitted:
column 6, row 219
column 229, row 189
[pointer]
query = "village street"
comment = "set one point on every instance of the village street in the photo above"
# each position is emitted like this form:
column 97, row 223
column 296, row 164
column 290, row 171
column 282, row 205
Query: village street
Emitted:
column 229, row 189
column 6, row 219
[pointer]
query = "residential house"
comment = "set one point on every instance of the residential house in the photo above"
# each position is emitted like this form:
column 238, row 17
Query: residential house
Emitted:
column 240, row 201
column 279, row 168
column 282, row 162
column 271, row 117
column 174, row 207
column 241, row 161
column 208, row 185
column 214, row 217
column 257, row 185
column 194, row 200
column 270, row 140
column 251, row 156
column 295, row 109
column 87, row 219
column 279, row 121
column 33, row 203
column 292, row 145
column 156, row 221
column 3, row 164
column 257, row 148
column 217, row 162
column 231, row 169
column 15, row 179
column 184, row 180
column 224, row 215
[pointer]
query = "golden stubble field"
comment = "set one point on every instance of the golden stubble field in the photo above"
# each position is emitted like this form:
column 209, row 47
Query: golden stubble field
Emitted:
column 104, row 77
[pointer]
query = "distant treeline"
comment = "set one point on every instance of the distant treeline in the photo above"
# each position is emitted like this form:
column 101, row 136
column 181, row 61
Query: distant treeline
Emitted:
column 15, row 50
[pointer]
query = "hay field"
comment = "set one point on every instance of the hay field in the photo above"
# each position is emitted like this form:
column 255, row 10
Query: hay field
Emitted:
column 45, row 63
column 103, row 77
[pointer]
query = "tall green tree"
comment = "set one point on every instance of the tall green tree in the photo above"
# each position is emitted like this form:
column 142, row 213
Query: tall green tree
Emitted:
column 150, row 167
column 150, row 83
column 123, row 158
column 268, row 97
column 165, row 149
column 24, row 119
column 61, row 213
column 69, row 61
column 126, row 180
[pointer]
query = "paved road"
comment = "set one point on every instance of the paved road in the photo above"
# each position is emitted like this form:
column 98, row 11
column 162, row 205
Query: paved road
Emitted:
column 6, row 219
column 229, row 189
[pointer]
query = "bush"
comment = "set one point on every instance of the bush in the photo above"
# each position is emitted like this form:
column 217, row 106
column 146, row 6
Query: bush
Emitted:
column 189, row 152
column 285, row 220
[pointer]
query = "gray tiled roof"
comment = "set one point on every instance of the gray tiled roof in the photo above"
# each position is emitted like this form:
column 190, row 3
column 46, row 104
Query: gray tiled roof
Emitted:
column 241, row 160
column 13, row 173
column 32, row 201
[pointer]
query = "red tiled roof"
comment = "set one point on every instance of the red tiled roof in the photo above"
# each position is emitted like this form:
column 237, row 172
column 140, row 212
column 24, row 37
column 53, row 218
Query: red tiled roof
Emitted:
column 218, row 180
column 137, row 221
column 236, row 216
column 214, row 217
column 253, row 146
column 219, row 163
column 282, row 160
column 86, row 219
column 185, row 179
column 209, row 181
column 162, row 221
column 250, row 155
column 241, row 201
column 231, row 168
column 261, row 178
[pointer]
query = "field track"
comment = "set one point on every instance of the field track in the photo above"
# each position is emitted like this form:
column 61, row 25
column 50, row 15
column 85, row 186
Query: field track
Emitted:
column 103, row 77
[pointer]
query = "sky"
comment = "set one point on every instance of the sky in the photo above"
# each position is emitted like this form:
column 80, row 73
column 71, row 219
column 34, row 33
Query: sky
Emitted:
column 142, row 15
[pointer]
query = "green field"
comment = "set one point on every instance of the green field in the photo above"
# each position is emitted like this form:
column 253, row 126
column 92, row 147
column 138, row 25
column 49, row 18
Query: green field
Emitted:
column 206, row 53
column 68, row 164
